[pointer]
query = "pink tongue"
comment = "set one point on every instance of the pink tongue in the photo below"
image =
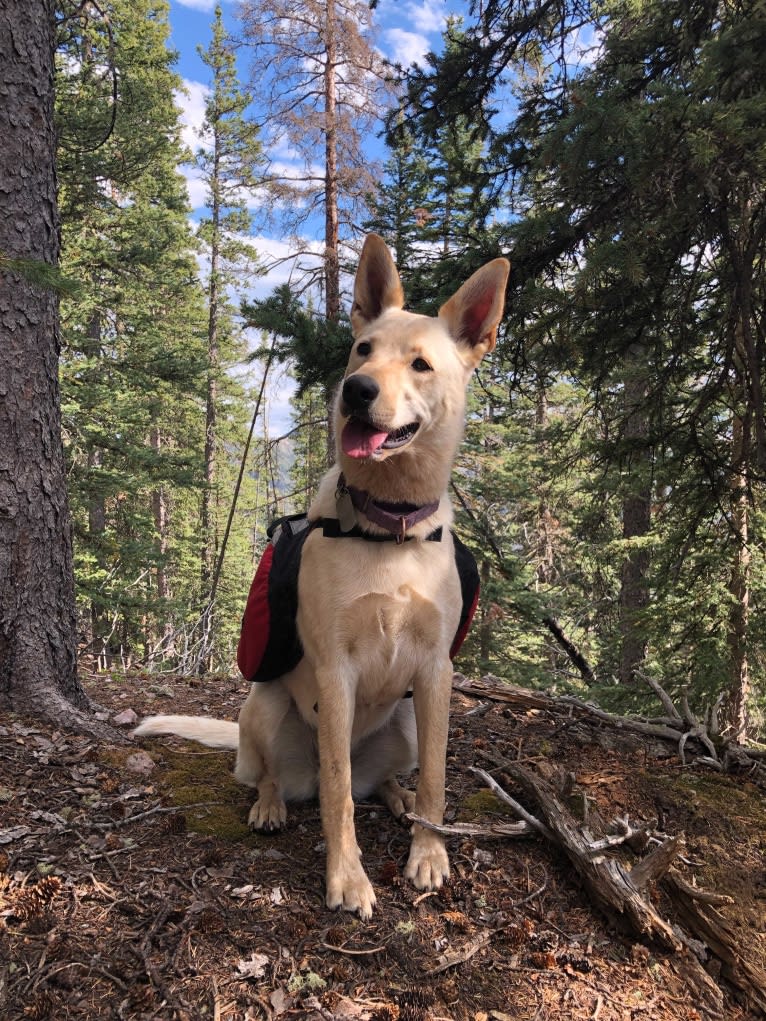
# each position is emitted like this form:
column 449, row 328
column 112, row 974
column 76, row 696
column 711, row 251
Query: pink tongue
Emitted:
column 361, row 440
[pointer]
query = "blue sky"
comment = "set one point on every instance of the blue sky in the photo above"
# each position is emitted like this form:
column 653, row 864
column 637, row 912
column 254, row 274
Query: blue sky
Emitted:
column 406, row 30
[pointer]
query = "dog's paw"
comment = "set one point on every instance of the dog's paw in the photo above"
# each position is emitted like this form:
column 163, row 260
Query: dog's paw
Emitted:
column 428, row 864
column 352, row 891
column 399, row 800
column 267, row 815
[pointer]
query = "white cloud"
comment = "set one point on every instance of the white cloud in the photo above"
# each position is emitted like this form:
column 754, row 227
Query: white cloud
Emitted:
column 191, row 100
column 405, row 47
column 198, row 5
column 195, row 187
column 428, row 15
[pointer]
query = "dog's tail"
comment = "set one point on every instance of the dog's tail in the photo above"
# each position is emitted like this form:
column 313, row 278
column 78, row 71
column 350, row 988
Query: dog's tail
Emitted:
column 206, row 730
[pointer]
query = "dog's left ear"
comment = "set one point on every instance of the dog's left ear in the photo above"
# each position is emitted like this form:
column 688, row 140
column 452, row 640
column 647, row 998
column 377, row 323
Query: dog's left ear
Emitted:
column 473, row 313
column 377, row 285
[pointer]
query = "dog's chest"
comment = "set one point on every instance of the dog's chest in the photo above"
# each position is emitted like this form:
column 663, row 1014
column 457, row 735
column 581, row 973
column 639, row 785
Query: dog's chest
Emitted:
column 386, row 613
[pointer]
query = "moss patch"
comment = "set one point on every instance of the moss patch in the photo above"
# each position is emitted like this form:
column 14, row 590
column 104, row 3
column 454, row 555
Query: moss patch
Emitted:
column 479, row 805
column 205, row 779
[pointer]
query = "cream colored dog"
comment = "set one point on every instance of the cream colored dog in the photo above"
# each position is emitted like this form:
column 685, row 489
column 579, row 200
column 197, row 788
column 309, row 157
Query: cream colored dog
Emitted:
column 376, row 618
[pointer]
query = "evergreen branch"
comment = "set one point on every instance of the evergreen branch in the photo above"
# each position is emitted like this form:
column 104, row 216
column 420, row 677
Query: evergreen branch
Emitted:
column 547, row 619
column 80, row 12
column 40, row 274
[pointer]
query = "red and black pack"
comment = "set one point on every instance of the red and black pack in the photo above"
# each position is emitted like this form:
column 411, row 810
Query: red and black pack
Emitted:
column 269, row 645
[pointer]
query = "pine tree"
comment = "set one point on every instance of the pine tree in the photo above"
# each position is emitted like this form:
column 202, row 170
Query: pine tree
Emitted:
column 322, row 84
column 639, row 245
column 400, row 209
column 133, row 356
column 229, row 163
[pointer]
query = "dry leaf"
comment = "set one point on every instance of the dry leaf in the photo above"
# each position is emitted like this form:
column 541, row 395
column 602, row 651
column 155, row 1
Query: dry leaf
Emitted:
column 255, row 967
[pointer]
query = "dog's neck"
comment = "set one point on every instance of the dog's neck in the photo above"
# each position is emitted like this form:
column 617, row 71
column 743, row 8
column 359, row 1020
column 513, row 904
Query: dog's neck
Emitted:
column 396, row 518
column 405, row 478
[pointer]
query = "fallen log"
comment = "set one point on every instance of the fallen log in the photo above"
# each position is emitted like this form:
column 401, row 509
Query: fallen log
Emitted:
column 607, row 880
column 681, row 728
column 699, row 916
column 622, row 894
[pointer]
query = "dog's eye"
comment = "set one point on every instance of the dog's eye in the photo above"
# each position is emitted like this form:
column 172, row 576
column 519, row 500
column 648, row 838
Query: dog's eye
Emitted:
column 363, row 348
column 421, row 365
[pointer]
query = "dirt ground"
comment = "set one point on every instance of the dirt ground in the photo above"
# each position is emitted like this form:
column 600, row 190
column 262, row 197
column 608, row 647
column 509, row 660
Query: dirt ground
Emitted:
column 131, row 888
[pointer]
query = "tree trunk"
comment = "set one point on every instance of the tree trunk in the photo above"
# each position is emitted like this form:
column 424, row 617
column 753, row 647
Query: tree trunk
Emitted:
column 486, row 616
column 545, row 573
column 38, row 628
column 739, row 588
column 747, row 387
column 331, row 232
column 636, row 518
column 161, row 525
column 208, row 521
column 208, row 530
column 94, row 636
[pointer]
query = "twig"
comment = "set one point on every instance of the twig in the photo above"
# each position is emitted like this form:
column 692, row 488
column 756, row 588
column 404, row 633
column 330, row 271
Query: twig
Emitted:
column 517, row 808
column 706, row 896
column 352, row 953
column 449, row 960
column 662, row 695
column 158, row 810
column 534, row 894
column 466, row 829
column 625, row 835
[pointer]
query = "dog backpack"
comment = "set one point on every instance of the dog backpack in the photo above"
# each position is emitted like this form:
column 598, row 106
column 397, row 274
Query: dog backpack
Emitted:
column 269, row 645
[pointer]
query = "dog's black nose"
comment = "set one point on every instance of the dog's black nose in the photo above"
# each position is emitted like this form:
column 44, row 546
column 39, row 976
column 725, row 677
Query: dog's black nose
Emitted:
column 359, row 392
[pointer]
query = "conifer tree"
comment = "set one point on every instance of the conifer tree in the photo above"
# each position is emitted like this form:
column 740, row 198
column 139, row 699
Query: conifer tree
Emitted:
column 229, row 160
column 322, row 84
column 133, row 355
column 640, row 245
column 400, row 210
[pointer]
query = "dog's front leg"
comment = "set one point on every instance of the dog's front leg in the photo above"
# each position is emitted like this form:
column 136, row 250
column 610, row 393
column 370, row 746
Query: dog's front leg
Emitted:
column 347, row 884
column 428, row 864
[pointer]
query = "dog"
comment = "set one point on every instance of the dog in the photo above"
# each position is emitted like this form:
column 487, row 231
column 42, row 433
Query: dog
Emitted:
column 379, row 596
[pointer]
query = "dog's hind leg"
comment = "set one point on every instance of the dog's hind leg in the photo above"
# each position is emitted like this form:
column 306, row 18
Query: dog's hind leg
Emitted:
column 274, row 754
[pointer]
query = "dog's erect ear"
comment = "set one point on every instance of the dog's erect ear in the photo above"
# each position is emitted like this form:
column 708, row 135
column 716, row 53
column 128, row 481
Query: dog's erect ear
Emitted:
column 473, row 313
column 377, row 285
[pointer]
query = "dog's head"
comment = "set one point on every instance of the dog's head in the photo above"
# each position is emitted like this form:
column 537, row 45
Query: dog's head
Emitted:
column 404, row 388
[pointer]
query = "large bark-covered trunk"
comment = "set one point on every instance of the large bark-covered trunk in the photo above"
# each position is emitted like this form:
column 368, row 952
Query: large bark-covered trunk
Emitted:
column 38, row 632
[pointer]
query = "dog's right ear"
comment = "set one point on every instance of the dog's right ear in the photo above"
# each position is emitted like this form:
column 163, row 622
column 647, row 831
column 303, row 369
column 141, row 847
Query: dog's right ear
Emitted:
column 377, row 285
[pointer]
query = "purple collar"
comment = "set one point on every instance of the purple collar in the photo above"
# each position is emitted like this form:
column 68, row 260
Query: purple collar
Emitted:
column 396, row 518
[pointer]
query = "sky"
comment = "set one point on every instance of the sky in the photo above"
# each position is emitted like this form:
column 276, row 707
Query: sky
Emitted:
column 406, row 31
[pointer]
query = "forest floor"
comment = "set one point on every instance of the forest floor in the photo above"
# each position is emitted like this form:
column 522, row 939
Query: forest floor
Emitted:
column 131, row 888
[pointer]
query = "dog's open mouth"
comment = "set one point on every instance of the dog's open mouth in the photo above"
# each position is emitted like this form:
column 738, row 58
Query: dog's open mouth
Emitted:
column 364, row 439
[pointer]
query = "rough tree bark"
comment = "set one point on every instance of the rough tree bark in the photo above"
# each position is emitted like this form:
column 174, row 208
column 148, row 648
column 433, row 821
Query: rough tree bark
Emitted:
column 38, row 628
